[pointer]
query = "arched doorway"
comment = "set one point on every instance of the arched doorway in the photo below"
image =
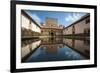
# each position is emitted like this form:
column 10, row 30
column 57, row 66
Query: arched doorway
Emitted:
column 51, row 33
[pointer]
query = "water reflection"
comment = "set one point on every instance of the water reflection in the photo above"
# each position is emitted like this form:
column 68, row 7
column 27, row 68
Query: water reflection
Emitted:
column 54, row 49
column 82, row 46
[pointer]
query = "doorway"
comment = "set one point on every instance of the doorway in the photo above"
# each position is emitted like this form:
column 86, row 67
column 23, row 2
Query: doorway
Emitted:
column 51, row 34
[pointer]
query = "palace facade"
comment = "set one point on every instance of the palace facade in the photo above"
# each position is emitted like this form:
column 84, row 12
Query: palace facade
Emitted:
column 51, row 28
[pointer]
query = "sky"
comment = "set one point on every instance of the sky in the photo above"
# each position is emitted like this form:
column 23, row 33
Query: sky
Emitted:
column 64, row 18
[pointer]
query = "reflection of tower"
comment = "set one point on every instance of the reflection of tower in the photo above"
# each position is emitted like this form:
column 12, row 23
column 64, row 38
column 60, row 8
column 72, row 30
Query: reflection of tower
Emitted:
column 52, row 40
column 51, row 49
column 51, row 44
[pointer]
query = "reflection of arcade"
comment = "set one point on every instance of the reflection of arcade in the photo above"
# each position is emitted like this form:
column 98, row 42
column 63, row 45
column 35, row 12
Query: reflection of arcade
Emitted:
column 51, row 45
column 81, row 46
column 28, row 47
column 51, row 40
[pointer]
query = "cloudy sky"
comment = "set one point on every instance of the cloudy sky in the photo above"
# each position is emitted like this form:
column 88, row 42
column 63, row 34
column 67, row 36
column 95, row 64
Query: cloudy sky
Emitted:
column 64, row 18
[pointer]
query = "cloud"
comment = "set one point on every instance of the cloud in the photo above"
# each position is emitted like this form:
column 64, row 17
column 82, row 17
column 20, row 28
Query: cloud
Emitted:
column 73, row 17
column 34, row 16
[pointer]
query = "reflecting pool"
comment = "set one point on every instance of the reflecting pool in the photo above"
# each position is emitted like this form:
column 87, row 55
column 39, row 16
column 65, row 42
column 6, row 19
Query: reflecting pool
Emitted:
column 54, row 49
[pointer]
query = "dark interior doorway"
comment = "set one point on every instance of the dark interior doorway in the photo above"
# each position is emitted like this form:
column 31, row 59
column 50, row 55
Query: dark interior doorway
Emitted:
column 51, row 34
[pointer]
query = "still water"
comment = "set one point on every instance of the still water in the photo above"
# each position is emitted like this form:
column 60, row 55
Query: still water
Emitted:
column 54, row 49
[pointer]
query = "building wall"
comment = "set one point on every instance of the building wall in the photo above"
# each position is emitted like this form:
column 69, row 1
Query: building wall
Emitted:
column 44, row 31
column 28, row 24
column 28, row 27
column 80, row 27
column 67, row 31
column 25, row 22
column 50, row 31
column 36, row 28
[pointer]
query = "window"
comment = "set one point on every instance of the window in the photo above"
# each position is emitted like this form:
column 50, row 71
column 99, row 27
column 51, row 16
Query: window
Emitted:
column 87, row 21
column 30, row 26
column 87, row 31
column 73, row 30
column 41, row 31
column 30, row 22
column 67, row 29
